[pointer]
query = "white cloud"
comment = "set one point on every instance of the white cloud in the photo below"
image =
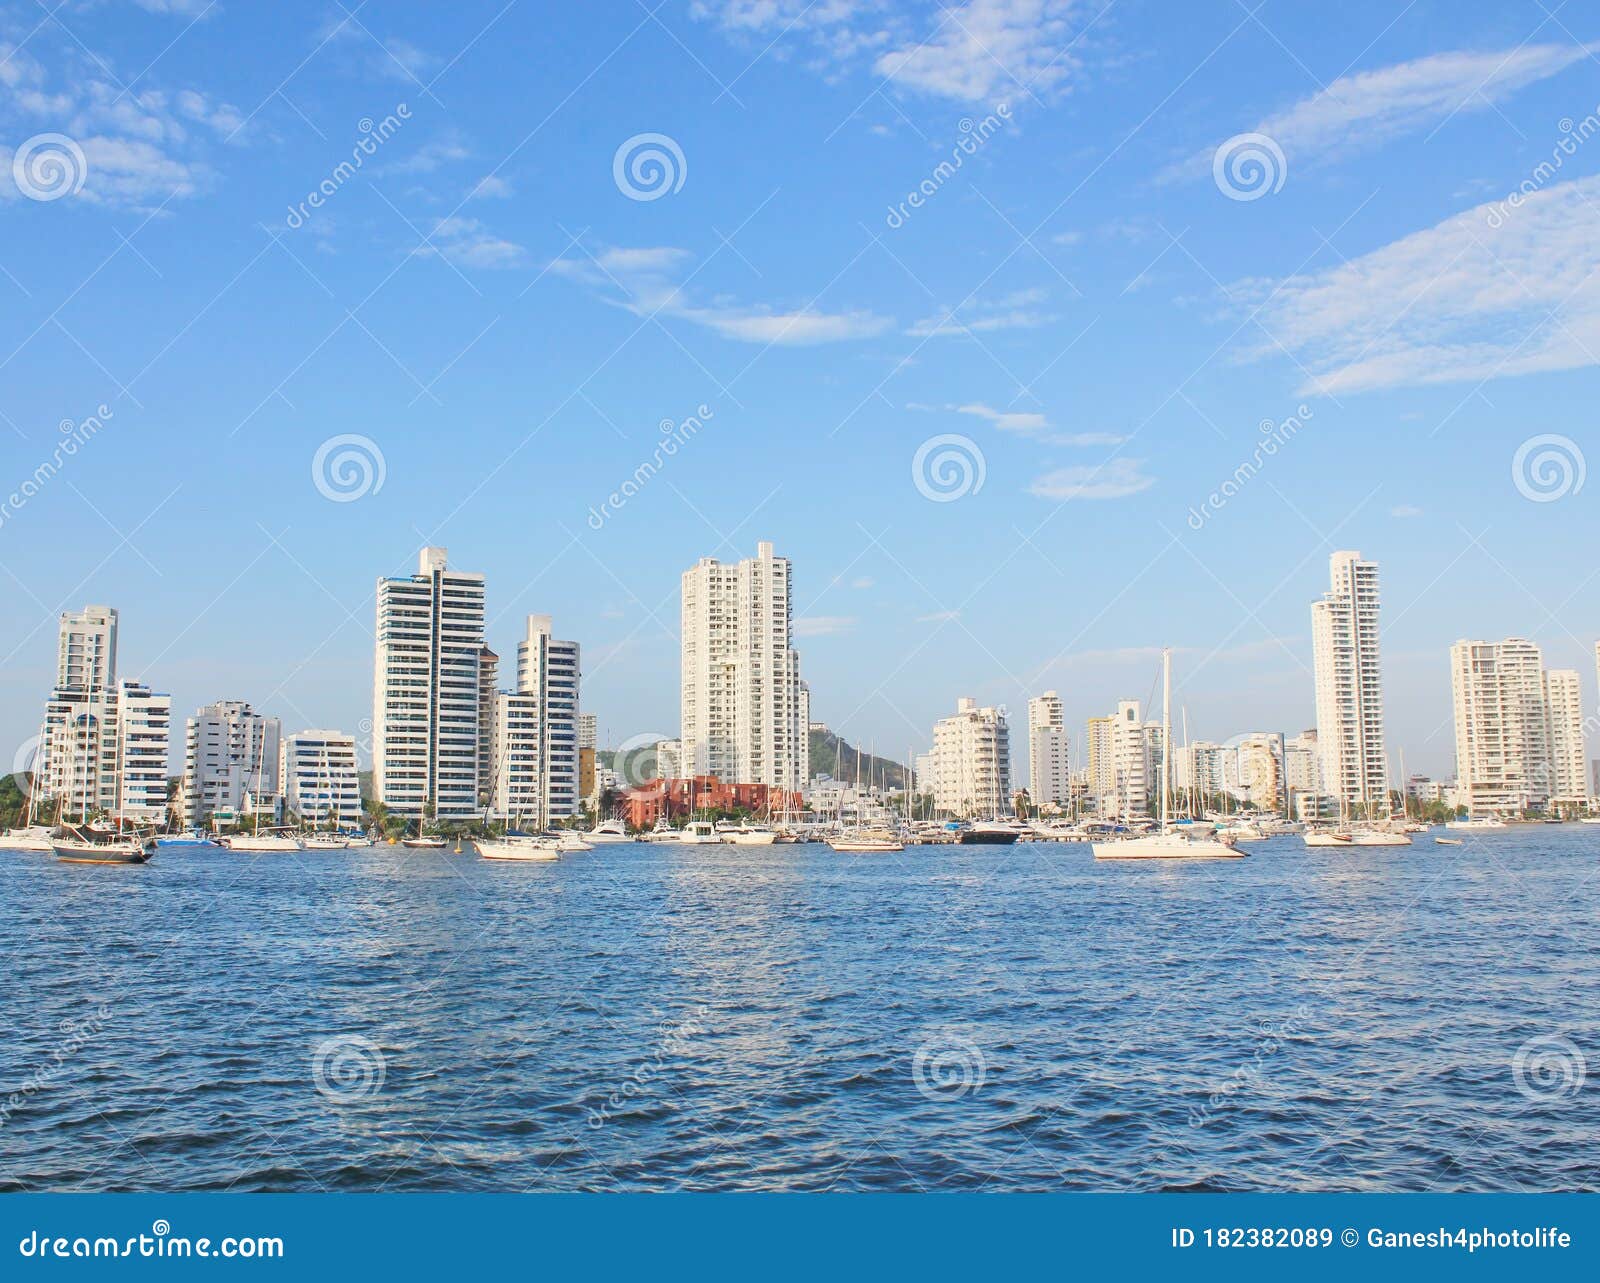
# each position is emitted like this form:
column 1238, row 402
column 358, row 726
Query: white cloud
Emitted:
column 180, row 8
column 1015, row 311
column 973, row 51
column 988, row 48
column 939, row 617
column 644, row 281
column 823, row 625
column 429, row 157
column 1036, row 427
column 1372, row 107
column 1405, row 510
column 490, row 186
column 864, row 582
column 1491, row 291
column 1116, row 479
column 140, row 147
column 468, row 243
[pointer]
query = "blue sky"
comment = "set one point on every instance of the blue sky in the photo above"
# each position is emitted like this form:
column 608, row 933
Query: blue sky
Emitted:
column 1097, row 307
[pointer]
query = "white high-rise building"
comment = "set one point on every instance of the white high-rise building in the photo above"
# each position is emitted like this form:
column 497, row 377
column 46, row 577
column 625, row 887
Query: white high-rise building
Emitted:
column 1563, row 697
column 86, row 657
column 1132, row 769
column 744, row 708
column 588, row 731
column 1302, row 765
column 103, row 746
column 230, row 758
column 548, row 671
column 1049, row 753
column 1100, row 769
column 1198, row 768
column 1344, row 632
column 1502, row 726
column 972, row 762
column 427, row 692
column 320, row 780
column 143, row 725
column 516, row 790
column 1257, row 769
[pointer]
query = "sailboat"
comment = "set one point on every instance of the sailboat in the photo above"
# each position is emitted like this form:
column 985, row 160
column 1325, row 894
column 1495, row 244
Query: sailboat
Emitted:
column 113, row 841
column 1171, row 841
column 274, row 839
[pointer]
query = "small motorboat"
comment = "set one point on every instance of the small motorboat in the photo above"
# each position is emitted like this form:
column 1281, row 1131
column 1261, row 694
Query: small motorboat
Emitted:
column 434, row 843
column 1449, row 841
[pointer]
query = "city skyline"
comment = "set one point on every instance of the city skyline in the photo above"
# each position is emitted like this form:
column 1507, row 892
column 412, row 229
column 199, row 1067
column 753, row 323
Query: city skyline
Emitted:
column 499, row 356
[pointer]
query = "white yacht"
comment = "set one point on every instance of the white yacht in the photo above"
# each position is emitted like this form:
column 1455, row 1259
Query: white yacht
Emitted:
column 1172, row 841
column 524, row 847
column 700, row 833
column 612, row 830
column 261, row 843
column 1479, row 825
column 865, row 842
column 751, row 835
column 30, row 837
column 569, row 840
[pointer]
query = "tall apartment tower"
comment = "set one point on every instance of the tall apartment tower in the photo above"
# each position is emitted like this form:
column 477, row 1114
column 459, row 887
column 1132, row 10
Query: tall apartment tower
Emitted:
column 1563, row 701
column 103, row 745
column 972, row 762
column 231, row 752
column 1344, row 634
column 744, row 709
column 426, row 691
column 1502, row 726
column 86, row 657
column 1049, row 759
column 548, row 672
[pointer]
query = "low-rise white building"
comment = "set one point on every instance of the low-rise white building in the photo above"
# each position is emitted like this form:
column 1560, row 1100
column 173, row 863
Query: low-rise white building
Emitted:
column 320, row 779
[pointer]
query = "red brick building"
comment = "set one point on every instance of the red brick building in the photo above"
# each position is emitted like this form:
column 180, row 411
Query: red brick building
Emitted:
column 646, row 802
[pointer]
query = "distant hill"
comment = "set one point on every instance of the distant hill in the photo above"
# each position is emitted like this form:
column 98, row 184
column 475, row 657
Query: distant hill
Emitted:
column 831, row 755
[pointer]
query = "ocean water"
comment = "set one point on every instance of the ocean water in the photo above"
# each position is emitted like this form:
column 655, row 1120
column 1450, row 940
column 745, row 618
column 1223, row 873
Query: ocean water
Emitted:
column 652, row 1017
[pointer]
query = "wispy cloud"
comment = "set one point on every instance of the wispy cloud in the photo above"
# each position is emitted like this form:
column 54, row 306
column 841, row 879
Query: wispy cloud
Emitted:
column 645, row 281
column 142, row 147
column 468, row 243
column 1036, row 427
column 939, row 617
column 989, row 48
column 979, row 50
column 1115, row 479
column 1405, row 510
column 1018, row 310
column 1368, row 108
column 1488, row 292
column 823, row 625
